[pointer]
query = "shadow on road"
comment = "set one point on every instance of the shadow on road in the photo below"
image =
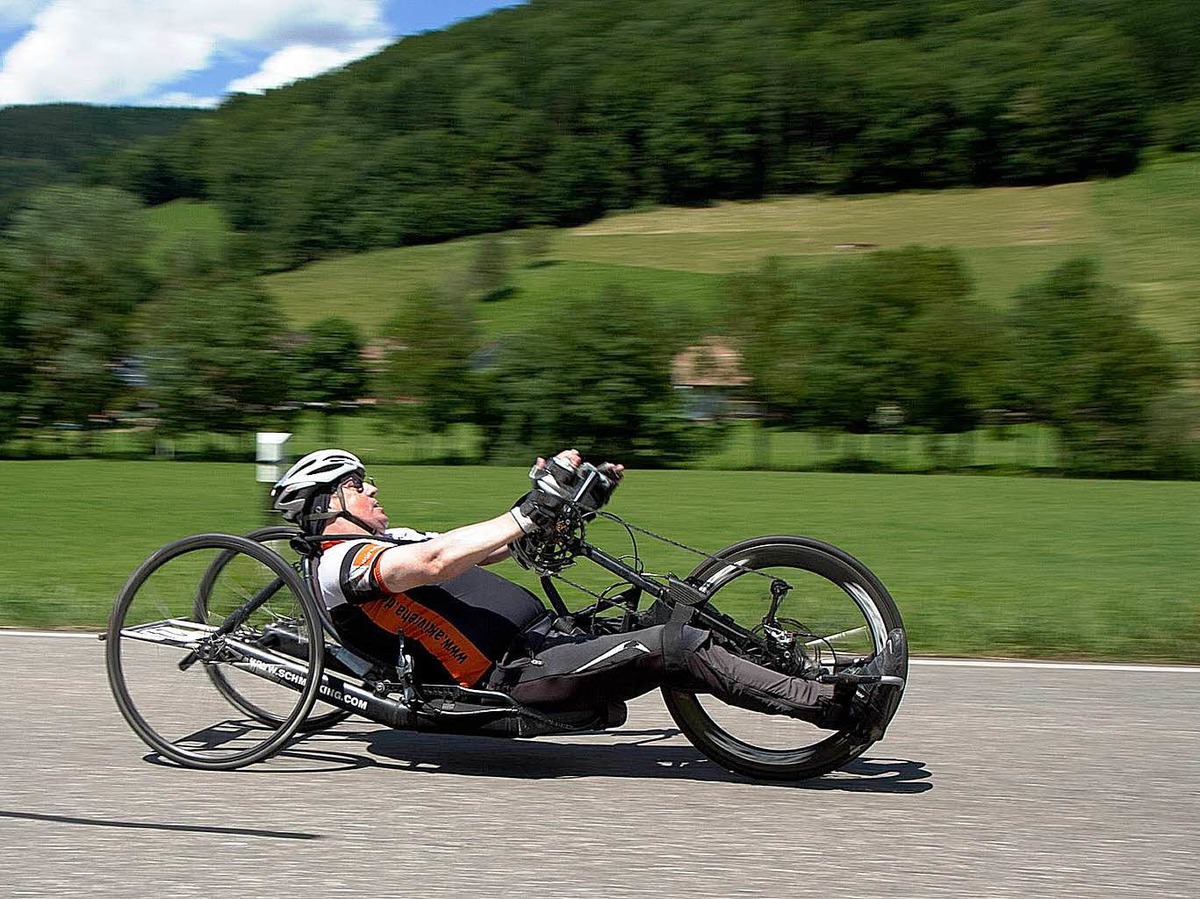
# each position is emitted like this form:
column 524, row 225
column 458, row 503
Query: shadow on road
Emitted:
column 148, row 825
column 641, row 754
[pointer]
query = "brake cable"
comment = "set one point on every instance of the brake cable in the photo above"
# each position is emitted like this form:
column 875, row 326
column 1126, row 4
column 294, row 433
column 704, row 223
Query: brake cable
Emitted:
column 699, row 552
column 777, row 593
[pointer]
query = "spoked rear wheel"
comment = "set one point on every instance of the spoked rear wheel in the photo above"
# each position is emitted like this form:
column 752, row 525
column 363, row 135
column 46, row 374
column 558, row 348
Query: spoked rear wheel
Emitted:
column 838, row 611
column 157, row 651
column 289, row 632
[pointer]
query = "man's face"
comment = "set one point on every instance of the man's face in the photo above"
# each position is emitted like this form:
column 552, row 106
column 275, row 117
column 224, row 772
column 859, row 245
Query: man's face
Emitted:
column 359, row 497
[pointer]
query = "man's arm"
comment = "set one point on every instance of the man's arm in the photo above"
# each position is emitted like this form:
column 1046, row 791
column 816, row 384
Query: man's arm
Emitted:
column 451, row 554
column 498, row 555
column 447, row 555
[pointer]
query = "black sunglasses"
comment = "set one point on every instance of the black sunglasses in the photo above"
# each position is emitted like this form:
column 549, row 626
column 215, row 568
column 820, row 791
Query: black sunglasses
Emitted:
column 357, row 482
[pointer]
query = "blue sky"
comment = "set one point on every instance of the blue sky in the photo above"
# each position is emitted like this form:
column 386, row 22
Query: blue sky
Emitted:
column 195, row 52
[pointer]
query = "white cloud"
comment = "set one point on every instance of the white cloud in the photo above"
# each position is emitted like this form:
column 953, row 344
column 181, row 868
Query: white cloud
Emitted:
column 182, row 98
column 301, row 61
column 121, row 50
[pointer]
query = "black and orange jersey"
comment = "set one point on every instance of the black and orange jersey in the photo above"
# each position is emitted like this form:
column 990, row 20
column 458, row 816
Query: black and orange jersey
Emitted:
column 455, row 630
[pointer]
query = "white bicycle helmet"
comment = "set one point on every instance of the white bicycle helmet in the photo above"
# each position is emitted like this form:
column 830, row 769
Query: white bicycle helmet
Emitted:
column 314, row 475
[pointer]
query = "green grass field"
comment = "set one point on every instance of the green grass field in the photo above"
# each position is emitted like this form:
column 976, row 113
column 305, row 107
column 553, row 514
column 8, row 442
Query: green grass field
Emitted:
column 979, row 566
column 1144, row 229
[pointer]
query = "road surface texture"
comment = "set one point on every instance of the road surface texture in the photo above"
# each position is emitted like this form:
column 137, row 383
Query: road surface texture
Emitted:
column 993, row 782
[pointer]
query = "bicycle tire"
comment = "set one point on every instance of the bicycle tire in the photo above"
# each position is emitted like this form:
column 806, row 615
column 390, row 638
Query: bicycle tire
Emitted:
column 831, row 750
column 120, row 633
column 222, row 683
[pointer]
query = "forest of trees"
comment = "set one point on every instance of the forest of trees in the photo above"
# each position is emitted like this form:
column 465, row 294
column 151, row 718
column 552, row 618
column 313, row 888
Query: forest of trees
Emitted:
column 65, row 142
column 557, row 111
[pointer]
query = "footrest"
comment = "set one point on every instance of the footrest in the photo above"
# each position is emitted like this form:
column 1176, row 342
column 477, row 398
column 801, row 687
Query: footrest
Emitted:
column 888, row 680
column 849, row 679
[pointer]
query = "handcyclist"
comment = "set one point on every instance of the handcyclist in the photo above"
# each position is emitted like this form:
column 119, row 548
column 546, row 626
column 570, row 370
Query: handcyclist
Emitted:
column 462, row 624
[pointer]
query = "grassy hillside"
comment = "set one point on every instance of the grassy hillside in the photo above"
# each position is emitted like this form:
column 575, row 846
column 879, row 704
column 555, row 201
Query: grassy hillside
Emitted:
column 1145, row 229
column 185, row 223
column 988, row 566
column 1150, row 242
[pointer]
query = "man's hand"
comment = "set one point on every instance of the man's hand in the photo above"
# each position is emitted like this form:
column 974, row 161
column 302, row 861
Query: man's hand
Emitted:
column 565, row 478
column 613, row 471
column 536, row 511
column 558, row 477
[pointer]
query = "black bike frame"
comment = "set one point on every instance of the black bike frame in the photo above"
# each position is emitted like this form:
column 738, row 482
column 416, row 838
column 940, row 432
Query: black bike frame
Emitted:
column 674, row 592
column 373, row 702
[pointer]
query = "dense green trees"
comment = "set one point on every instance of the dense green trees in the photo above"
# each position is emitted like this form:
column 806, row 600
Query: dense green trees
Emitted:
column 69, row 142
column 555, row 112
column 829, row 348
column 86, row 328
column 897, row 335
column 597, row 377
column 329, row 363
column 1085, row 365
column 427, row 366
column 72, row 276
column 887, row 339
column 14, row 364
column 329, row 368
column 213, row 348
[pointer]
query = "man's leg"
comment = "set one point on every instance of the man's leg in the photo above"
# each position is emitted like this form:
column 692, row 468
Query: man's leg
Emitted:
column 572, row 673
column 746, row 685
column 586, row 672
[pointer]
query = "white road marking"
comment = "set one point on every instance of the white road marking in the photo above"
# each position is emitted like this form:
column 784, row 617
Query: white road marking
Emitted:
column 88, row 635
column 1066, row 666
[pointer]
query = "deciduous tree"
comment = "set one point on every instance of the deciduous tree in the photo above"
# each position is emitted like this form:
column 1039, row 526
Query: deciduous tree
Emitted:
column 329, row 367
column 599, row 379
column 430, row 342
column 214, row 354
column 78, row 255
column 1085, row 365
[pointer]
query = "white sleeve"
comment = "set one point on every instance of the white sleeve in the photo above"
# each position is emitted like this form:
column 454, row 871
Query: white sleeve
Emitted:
column 408, row 535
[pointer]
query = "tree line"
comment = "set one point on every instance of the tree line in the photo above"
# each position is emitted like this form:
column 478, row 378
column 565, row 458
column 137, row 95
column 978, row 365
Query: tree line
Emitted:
column 68, row 142
column 896, row 340
column 556, row 111
column 890, row 340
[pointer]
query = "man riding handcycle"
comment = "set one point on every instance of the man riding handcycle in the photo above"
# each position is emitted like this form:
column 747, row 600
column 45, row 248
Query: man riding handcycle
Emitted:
column 422, row 626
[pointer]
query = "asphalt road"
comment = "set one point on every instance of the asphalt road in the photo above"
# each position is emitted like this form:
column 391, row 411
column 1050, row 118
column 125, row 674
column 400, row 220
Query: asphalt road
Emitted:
column 992, row 782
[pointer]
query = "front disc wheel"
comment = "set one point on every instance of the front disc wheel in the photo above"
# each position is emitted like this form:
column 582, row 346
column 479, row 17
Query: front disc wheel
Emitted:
column 834, row 609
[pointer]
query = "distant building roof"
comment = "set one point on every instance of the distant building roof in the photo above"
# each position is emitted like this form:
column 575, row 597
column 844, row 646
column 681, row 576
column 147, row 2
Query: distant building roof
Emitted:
column 710, row 363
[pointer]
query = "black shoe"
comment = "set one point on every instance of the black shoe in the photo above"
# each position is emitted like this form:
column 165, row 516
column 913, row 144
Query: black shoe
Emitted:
column 864, row 710
column 891, row 660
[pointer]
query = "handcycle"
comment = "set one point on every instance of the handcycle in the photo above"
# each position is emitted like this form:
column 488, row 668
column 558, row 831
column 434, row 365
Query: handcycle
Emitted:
column 219, row 654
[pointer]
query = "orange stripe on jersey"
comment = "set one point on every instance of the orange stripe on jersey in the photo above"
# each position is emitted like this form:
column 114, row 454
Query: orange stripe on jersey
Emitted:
column 367, row 552
column 399, row 614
